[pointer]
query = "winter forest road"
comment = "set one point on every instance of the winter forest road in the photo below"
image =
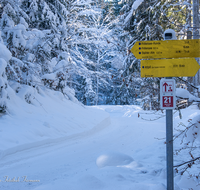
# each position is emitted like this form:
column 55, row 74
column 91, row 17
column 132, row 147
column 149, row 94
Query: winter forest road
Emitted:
column 124, row 155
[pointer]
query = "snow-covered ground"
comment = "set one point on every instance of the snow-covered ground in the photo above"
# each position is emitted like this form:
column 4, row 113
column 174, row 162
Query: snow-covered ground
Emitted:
column 55, row 144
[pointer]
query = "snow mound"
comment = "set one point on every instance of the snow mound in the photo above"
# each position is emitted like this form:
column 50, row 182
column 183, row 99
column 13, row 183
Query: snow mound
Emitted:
column 113, row 159
column 183, row 93
column 37, row 118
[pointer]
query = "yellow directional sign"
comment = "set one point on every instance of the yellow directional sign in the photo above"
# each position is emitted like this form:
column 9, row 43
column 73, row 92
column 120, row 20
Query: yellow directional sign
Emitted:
column 166, row 49
column 187, row 67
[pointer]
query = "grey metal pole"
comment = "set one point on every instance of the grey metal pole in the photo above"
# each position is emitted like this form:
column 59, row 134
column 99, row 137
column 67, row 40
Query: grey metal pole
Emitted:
column 169, row 149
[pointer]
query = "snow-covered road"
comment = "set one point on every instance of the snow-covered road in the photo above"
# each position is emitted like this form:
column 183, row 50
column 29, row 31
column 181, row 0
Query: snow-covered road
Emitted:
column 122, row 155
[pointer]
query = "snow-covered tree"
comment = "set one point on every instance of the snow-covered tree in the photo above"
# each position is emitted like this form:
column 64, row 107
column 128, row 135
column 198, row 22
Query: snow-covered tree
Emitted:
column 5, row 56
column 94, row 45
column 34, row 32
column 147, row 20
column 83, row 44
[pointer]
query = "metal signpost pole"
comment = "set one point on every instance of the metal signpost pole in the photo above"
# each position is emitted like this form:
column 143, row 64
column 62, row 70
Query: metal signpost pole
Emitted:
column 169, row 149
column 169, row 35
column 168, row 102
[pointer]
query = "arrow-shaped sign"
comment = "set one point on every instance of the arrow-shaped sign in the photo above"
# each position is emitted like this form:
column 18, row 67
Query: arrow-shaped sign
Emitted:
column 187, row 67
column 166, row 49
column 165, row 85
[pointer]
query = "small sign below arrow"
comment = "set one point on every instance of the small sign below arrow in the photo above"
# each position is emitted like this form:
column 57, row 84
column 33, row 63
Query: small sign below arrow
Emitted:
column 168, row 87
column 167, row 94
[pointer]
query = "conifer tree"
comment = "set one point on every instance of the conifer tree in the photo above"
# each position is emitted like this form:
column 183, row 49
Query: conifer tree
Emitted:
column 5, row 56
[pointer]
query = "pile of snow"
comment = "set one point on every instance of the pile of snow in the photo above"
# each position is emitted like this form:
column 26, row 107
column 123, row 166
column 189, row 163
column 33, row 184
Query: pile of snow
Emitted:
column 183, row 93
column 38, row 117
column 113, row 159
column 82, row 150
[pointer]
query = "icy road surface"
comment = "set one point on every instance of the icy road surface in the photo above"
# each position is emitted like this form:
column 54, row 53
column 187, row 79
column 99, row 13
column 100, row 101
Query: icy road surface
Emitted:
column 125, row 155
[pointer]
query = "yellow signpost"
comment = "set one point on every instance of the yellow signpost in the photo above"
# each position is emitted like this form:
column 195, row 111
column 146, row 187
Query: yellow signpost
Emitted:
column 161, row 61
column 166, row 49
column 169, row 67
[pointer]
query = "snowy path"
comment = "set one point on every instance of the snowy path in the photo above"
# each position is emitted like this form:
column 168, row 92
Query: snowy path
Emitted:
column 126, row 151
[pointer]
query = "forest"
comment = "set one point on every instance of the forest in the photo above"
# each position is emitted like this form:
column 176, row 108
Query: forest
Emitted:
column 82, row 47
column 81, row 50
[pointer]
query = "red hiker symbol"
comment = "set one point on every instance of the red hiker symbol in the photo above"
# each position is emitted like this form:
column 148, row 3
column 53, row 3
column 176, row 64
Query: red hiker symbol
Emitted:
column 170, row 89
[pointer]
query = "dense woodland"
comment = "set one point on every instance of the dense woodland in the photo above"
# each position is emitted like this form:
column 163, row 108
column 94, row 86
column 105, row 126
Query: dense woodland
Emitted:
column 82, row 47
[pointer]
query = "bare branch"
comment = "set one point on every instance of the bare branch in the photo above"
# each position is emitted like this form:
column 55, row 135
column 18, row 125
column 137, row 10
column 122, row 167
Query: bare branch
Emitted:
column 186, row 162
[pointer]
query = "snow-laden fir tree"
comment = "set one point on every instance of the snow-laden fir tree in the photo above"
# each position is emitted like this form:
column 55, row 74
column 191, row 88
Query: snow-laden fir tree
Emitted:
column 5, row 56
column 95, row 46
column 143, row 20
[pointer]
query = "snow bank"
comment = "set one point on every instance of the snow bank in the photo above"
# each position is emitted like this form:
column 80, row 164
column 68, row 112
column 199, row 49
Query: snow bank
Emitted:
column 183, row 93
column 90, row 159
column 45, row 117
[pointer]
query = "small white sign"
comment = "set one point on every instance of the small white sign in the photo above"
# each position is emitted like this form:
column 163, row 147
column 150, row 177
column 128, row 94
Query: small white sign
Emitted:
column 168, row 86
column 167, row 94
